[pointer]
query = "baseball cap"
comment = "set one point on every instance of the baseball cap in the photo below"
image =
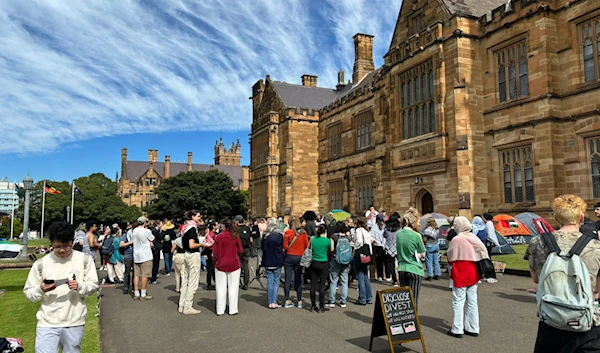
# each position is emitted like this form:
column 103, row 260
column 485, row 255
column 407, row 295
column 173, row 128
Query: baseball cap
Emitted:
column 597, row 205
column 238, row 218
column 142, row 220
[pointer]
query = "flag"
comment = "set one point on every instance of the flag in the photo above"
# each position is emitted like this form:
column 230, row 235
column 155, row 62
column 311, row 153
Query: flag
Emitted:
column 77, row 190
column 19, row 191
column 52, row 190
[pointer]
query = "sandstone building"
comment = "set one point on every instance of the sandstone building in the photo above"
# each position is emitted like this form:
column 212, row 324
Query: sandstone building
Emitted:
column 481, row 105
column 139, row 179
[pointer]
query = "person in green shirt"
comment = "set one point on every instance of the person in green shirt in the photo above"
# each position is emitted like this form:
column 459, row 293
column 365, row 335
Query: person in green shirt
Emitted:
column 319, row 268
column 410, row 252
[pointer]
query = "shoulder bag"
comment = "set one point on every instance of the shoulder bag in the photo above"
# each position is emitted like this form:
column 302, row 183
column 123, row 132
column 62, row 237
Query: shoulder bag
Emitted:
column 306, row 259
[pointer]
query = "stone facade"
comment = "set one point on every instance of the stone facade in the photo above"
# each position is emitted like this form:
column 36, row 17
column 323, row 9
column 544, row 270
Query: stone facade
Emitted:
column 508, row 111
column 139, row 179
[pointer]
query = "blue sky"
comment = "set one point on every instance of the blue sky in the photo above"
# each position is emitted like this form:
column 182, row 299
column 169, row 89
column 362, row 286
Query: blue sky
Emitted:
column 80, row 80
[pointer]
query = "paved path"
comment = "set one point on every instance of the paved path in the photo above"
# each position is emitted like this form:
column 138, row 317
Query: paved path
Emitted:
column 507, row 313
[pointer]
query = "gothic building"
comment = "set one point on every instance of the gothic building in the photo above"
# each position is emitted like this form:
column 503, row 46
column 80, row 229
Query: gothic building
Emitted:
column 481, row 105
column 140, row 178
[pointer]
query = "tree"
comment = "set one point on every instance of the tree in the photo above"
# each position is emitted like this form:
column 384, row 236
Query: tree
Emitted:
column 5, row 228
column 210, row 192
column 99, row 201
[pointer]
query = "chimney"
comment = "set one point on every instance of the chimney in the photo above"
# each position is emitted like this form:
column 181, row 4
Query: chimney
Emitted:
column 309, row 81
column 167, row 167
column 363, row 56
column 341, row 83
column 124, row 163
column 189, row 161
column 153, row 156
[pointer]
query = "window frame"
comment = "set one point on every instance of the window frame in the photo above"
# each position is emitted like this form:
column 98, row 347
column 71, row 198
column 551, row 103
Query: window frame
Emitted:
column 515, row 165
column 515, row 56
column 363, row 127
column 336, row 194
column 334, row 137
column 593, row 24
column 417, row 97
column 365, row 192
column 592, row 147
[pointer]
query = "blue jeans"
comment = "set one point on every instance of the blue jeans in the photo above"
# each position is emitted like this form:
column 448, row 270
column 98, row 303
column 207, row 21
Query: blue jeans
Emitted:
column 338, row 271
column 365, row 295
column 273, row 277
column 433, row 261
column 168, row 262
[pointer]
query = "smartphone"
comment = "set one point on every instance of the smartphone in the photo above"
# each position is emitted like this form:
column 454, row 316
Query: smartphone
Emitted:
column 48, row 281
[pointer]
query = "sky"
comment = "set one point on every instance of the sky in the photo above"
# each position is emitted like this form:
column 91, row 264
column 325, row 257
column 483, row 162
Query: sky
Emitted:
column 79, row 80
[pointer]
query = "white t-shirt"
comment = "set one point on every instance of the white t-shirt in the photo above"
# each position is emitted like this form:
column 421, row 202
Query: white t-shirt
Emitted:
column 141, row 245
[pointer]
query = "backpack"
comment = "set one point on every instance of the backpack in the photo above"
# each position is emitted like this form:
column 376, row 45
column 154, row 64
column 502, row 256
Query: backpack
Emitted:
column 244, row 232
column 565, row 298
column 107, row 247
column 343, row 251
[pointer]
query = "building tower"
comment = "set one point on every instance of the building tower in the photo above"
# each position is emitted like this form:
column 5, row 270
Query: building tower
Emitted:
column 231, row 156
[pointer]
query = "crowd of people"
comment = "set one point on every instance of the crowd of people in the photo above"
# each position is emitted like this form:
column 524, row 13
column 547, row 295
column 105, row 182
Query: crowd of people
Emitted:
column 326, row 252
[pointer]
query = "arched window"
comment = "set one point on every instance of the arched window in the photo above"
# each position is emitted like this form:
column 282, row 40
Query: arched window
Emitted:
column 518, row 175
column 513, row 75
column 507, row 185
column 418, row 115
column 529, row 193
column 518, row 183
column 594, row 150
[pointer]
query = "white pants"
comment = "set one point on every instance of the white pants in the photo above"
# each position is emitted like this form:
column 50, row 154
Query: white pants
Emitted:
column 471, row 319
column 189, row 280
column 48, row 339
column 117, row 269
column 227, row 282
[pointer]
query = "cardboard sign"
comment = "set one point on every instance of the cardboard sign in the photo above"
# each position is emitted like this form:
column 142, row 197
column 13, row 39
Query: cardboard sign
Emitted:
column 396, row 316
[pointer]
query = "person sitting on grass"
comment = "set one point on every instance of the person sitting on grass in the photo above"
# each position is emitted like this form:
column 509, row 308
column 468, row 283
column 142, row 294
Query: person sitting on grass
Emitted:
column 61, row 280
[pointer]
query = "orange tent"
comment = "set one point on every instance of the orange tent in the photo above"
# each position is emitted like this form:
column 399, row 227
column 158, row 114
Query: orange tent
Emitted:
column 509, row 226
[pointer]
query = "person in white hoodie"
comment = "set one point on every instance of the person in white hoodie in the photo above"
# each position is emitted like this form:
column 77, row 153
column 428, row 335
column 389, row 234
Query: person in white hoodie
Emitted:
column 61, row 280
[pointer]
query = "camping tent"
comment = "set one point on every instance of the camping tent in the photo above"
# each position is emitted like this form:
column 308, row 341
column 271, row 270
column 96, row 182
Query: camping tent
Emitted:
column 511, row 229
column 440, row 219
column 9, row 250
column 535, row 223
column 504, row 247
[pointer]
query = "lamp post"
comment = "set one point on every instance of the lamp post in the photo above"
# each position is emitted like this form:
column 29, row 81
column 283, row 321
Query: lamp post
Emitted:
column 28, row 186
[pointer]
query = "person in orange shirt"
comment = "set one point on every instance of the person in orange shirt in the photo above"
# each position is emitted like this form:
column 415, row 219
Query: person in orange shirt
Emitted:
column 295, row 241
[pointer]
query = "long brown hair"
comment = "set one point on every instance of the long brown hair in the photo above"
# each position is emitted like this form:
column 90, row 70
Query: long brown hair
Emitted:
column 231, row 227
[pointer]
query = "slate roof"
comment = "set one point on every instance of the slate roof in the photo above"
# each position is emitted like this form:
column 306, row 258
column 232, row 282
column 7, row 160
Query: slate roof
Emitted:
column 136, row 169
column 476, row 8
column 304, row 97
column 366, row 81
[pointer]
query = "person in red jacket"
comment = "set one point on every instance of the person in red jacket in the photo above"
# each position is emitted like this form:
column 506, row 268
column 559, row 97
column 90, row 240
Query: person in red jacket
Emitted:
column 226, row 251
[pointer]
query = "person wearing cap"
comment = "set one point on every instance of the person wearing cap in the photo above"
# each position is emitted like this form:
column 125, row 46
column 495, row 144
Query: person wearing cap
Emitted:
column 168, row 236
column 142, row 258
column 246, row 238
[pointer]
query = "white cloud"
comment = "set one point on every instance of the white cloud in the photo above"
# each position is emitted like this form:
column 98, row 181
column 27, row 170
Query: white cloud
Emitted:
column 74, row 70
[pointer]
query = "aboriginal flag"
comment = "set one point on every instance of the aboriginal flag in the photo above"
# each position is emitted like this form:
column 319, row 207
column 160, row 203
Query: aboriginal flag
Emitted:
column 52, row 190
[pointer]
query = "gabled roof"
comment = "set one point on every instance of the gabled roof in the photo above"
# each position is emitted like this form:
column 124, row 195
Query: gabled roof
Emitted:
column 299, row 96
column 136, row 169
column 476, row 8
column 365, row 82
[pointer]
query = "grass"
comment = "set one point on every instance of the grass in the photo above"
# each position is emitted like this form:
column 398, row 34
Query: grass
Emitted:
column 33, row 243
column 18, row 314
column 514, row 261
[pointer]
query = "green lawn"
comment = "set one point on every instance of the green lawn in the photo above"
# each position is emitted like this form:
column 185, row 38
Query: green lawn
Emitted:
column 18, row 314
column 34, row 242
column 514, row 261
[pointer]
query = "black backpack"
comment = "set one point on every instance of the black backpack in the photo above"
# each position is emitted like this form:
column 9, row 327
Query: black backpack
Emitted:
column 107, row 247
column 245, row 236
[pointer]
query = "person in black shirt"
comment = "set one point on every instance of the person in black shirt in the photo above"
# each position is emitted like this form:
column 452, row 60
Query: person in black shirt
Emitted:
column 191, row 269
column 256, row 243
column 246, row 238
column 156, row 249
column 168, row 236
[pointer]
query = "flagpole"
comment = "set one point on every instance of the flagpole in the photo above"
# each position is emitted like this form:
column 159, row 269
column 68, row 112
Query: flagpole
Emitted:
column 12, row 218
column 43, row 208
column 72, row 199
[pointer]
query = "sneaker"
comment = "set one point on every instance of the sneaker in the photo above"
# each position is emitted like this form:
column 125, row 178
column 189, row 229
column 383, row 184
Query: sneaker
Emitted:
column 323, row 309
column 396, row 284
column 388, row 279
column 342, row 305
column 289, row 304
column 300, row 304
column 147, row 297
column 180, row 309
column 472, row 334
column 190, row 311
column 359, row 303
column 155, row 282
column 137, row 297
column 491, row 280
column 456, row 335
column 168, row 274
column 330, row 305
column 211, row 287
column 379, row 279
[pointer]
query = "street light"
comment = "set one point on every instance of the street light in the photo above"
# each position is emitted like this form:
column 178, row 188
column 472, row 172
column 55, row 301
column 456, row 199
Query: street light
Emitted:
column 28, row 186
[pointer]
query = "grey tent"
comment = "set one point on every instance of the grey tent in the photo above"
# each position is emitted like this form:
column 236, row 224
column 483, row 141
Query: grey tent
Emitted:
column 534, row 222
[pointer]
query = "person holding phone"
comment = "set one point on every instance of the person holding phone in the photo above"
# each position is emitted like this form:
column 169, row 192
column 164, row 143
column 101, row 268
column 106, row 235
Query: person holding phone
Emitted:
column 61, row 280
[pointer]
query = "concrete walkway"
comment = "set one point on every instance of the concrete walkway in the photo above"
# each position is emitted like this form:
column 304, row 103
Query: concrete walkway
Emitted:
column 507, row 314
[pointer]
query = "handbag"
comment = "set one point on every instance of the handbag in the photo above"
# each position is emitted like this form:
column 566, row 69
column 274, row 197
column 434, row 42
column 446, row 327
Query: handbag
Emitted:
column 306, row 259
column 486, row 268
column 365, row 252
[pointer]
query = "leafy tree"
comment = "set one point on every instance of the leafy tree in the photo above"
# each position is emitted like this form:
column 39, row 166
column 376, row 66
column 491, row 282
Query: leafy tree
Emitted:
column 5, row 228
column 99, row 201
column 210, row 192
